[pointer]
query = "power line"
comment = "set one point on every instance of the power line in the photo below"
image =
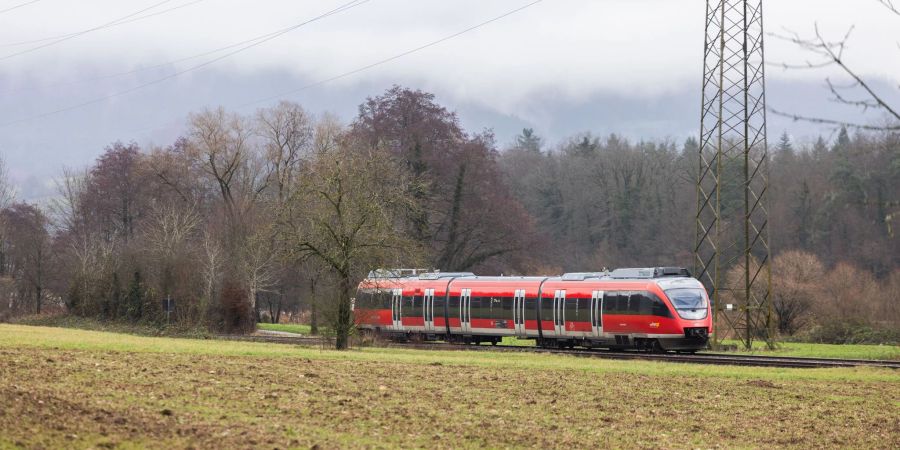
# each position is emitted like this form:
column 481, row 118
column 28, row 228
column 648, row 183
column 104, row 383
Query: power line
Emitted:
column 116, row 23
column 272, row 34
column 83, row 32
column 380, row 62
column 18, row 6
column 339, row 9
column 392, row 58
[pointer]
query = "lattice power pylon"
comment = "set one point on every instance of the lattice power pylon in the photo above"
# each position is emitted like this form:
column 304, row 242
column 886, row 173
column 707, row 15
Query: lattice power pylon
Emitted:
column 731, row 252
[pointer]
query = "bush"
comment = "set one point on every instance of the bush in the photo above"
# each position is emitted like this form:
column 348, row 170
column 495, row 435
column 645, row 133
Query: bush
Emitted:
column 237, row 315
column 841, row 332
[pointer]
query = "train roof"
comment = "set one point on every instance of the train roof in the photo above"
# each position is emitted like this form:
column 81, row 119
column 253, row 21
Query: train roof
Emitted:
column 624, row 274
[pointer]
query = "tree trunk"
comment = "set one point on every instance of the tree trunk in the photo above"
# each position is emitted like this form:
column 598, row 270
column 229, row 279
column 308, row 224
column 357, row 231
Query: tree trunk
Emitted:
column 39, row 292
column 344, row 321
column 277, row 318
column 313, row 316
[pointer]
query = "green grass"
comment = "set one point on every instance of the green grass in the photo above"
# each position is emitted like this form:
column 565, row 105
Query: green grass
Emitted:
column 805, row 350
column 286, row 327
column 65, row 388
column 514, row 341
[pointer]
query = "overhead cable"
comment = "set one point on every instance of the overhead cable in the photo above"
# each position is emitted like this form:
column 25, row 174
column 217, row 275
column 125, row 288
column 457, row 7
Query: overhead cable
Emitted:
column 18, row 6
column 342, row 8
column 83, row 32
column 110, row 25
column 392, row 58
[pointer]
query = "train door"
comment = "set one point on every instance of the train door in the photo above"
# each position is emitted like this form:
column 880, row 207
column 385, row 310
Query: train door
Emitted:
column 559, row 312
column 396, row 309
column 519, row 312
column 597, row 314
column 465, row 310
column 428, row 309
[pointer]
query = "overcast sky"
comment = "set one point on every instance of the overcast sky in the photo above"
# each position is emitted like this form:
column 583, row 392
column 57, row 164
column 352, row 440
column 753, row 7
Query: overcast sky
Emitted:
column 560, row 66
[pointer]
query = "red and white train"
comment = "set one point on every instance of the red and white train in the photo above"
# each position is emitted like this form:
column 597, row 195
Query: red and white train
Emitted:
column 651, row 309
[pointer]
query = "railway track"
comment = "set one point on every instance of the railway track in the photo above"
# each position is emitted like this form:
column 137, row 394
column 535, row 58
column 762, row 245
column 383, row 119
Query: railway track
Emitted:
column 698, row 358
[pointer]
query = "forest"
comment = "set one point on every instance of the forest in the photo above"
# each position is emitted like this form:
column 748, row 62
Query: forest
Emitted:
column 276, row 215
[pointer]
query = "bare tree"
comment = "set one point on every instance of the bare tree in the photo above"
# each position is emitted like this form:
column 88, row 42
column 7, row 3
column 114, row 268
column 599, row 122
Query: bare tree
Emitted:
column 7, row 190
column 84, row 253
column 287, row 133
column 452, row 177
column 213, row 264
column 795, row 289
column 328, row 131
column 29, row 249
column 343, row 216
column 859, row 93
column 7, row 195
column 259, row 263
column 889, row 4
column 219, row 145
column 114, row 190
column 169, row 236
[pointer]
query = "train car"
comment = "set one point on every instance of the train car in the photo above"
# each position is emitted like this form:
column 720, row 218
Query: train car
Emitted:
column 650, row 309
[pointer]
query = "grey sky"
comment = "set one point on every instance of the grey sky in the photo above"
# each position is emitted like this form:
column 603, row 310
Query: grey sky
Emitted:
column 561, row 66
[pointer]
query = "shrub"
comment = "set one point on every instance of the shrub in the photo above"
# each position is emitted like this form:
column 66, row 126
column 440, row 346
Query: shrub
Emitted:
column 237, row 315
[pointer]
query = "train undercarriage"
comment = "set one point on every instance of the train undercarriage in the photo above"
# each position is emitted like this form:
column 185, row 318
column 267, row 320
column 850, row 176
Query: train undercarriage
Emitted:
column 690, row 343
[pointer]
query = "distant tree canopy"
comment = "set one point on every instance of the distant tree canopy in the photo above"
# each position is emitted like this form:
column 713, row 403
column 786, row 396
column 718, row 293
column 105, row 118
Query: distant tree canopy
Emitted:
column 281, row 212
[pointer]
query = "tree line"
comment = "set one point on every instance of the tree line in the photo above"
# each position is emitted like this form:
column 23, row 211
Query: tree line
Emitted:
column 253, row 217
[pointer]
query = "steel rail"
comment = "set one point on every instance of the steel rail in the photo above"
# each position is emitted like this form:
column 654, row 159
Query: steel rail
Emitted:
column 698, row 358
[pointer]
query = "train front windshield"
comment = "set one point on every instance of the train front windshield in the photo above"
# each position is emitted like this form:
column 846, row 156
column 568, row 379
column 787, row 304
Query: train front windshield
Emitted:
column 689, row 303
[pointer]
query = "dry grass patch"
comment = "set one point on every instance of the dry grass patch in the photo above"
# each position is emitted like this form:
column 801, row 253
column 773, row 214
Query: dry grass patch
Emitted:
column 136, row 395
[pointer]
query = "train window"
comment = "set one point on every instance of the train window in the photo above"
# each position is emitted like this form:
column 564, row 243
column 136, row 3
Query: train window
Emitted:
column 610, row 303
column 583, row 310
column 481, row 308
column 640, row 304
column 689, row 303
column 635, row 301
column 408, row 307
column 530, row 308
column 622, row 303
column 547, row 308
column 439, row 305
column 659, row 307
column 418, row 303
column 476, row 308
column 364, row 299
column 485, row 310
column 454, row 302
column 383, row 299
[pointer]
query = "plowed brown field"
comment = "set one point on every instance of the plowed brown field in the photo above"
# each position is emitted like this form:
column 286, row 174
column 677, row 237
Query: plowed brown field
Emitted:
column 68, row 388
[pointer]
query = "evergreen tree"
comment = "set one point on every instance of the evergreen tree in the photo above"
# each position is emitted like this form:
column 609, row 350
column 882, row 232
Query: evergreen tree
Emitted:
column 691, row 146
column 804, row 212
column 784, row 144
column 529, row 141
column 843, row 140
column 820, row 146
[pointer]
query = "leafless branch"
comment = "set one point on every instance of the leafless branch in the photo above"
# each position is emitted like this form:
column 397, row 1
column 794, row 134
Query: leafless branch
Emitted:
column 837, row 123
column 832, row 54
column 889, row 4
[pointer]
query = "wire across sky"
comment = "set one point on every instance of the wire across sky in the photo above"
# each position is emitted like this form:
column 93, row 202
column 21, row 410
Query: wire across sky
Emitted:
column 253, row 42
